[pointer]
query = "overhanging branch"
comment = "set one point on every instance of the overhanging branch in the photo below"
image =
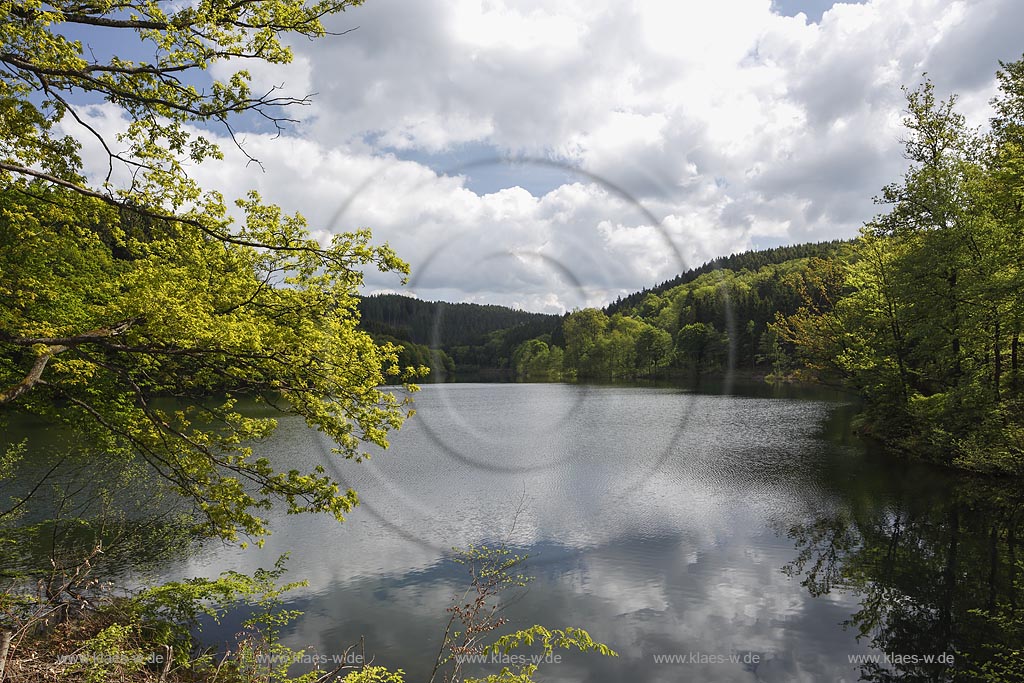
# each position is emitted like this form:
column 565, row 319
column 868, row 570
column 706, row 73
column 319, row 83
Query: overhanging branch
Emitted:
column 33, row 376
column 54, row 345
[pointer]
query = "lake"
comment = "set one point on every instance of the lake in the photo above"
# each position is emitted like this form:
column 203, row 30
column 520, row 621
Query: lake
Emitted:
column 707, row 536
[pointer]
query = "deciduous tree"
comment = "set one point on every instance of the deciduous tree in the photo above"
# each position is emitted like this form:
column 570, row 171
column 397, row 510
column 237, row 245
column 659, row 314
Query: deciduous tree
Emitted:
column 118, row 291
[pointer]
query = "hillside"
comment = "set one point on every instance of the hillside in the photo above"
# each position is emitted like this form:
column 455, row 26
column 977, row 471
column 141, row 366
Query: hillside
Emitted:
column 708, row 318
column 688, row 322
column 440, row 324
column 747, row 260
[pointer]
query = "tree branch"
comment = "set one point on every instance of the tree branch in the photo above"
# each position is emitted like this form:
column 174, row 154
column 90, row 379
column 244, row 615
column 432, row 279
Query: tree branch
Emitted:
column 33, row 376
column 54, row 346
column 324, row 254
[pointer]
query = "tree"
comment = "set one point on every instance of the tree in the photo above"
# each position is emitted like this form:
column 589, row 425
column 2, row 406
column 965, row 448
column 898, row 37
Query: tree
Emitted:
column 920, row 320
column 653, row 349
column 535, row 360
column 115, row 294
column 583, row 331
column 702, row 346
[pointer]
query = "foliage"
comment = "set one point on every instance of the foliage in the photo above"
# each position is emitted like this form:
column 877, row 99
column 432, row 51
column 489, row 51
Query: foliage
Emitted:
column 124, row 638
column 534, row 359
column 117, row 293
column 440, row 324
column 472, row 338
column 712, row 320
column 921, row 315
column 748, row 260
column 925, row 320
column 375, row 674
column 419, row 359
column 1002, row 660
column 493, row 571
column 154, row 632
column 742, row 291
column 548, row 641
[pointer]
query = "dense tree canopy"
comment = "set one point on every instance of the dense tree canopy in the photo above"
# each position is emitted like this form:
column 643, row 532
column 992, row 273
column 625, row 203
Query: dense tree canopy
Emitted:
column 925, row 321
column 118, row 292
column 715, row 317
column 441, row 324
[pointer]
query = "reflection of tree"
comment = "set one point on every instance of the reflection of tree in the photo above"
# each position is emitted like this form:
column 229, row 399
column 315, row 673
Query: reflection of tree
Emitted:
column 69, row 509
column 937, row 572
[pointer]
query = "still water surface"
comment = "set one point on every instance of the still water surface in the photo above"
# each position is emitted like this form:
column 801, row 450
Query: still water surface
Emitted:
column 747, row 526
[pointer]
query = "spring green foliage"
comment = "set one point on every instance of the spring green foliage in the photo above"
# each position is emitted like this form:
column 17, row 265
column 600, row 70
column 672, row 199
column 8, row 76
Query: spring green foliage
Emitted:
column 375, row 674
column 535, row 636
column 169, row 613
column 476, row 614
column 537, row 360
column 113, row 295
column 749, row 260
column 420, row 359
column 925, row 319
column 712, row 318
column 96, row 636
column 547, row 641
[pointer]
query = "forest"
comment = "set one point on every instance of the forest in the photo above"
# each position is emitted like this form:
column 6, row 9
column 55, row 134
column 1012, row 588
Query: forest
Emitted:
column 920, row 316
column 157, row 336
column 714, row 317
column 445, row 337
column 465, row 340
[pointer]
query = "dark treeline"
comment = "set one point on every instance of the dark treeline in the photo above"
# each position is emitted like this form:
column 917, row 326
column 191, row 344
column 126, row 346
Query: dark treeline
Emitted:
column 469, row 338
column 492, row 357
column 438, row 324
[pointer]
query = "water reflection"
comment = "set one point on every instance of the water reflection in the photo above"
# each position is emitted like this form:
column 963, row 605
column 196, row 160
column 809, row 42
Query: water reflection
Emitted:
column 936, row 573
column 658, row 539
column 704, row 528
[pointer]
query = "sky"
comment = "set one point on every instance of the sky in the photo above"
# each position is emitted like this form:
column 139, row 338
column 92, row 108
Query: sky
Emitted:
column 550, row 156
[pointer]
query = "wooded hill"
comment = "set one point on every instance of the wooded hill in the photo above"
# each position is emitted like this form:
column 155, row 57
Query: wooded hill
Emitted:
column 463, row 338
column 733, row 297
column 440, row 324
column 921, row 316
column 747, row 260
column 714, row 318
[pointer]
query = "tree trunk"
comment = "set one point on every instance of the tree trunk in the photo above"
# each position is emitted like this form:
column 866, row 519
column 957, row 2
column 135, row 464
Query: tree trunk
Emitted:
column 998, row 366
column 1014, row 367
column 1011, row 544
column 955, row 342
column 168, row 661
column 993, row 569
column 5, row 647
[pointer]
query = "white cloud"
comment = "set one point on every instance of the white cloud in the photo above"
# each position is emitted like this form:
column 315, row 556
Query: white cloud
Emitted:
column 725, row 121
